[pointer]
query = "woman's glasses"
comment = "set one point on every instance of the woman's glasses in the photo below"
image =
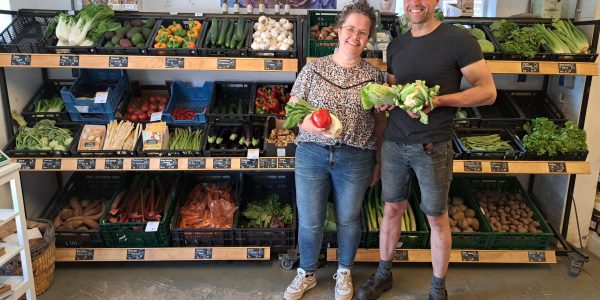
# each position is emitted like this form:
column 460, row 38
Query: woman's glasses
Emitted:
column 350, row 30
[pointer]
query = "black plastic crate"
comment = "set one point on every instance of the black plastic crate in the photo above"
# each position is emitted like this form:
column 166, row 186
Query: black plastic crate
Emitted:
column 210, row 237
column 106, row 153
column 227, row 97
column 11, row 151
column 257, row 187
column 535, row 104
column 24, row 34
column 100, row 44
column 472, row 119
column 494, row 55
column 519, row 133
column 273, row 149
column 517, row 153
column 49, row 89
column 290, row 53
column 255, row 110
column 175, row 152
column 93, row 186
column 258, row 128
column 174, row 51
column 501, row 114
column 506, row 240
column 133, row 234
column 544, row 54
column 228, row 52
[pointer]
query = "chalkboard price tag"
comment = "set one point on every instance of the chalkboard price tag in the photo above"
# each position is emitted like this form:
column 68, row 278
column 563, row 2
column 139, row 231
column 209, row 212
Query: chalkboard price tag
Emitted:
column 203, row 253
column 273, row 64
column 196, row 163
column 136, row 254
column 469, row 256
column 530, row 67
column 69, row 61
column 286, row 163
column 174, row 63
column 401, row 255
column 255, row 253
column 557, row 167
column 20, row 60
column 86, row 164
column 268, row 163
column 26, row 163
column 222, row 163
column 168, row 163
column 537, row 256
column 51, row 164
column 226, row 64
column 246, row 163
column 472, row 166
column 113, row 164
column 118, row 61
column 140, row 164
column 567, row 68
column 499, row 166
column 84, row 254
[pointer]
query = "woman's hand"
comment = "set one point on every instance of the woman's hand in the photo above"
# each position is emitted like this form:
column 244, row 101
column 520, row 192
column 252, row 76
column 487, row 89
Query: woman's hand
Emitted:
column 308, row 126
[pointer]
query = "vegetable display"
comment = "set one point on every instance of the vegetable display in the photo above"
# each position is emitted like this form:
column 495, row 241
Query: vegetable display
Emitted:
column 329, row 223
column 507, row 212
column 226, row 34
column 141, row 108
column 323, row 33
column 268, row 213
column 175, row 36
column 183, row 113
column 296, row 112
column 412, row 97
column 83, row 29
column 462, row 218
column 281, row 137
column 270, row 34
column 564, row 38
column 234, row 137
column 208, row 206
column 479, row 35
column 374, row 211
column 43, row 136
column 271, row 99
column 486, row 142
column 132, row 33
column 55, row 104
column 121, row 135
column 230, row 106
column 525, row 41
column 185, row 139
column 80, row 214
column 545, row 137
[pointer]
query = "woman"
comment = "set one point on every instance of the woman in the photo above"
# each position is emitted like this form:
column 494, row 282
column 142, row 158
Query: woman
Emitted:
column 345, row 165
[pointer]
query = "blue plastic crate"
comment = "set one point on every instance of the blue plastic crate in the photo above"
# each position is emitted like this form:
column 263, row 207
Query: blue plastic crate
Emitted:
column 194, row 98
column 115, row 82
column 78, row 117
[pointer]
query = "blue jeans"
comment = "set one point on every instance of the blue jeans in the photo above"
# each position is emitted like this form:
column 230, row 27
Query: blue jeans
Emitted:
column 319, row 169
column 432, row 165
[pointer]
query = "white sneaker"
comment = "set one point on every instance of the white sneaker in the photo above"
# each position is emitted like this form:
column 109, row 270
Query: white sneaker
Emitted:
column 343, row 284
column 299, row 285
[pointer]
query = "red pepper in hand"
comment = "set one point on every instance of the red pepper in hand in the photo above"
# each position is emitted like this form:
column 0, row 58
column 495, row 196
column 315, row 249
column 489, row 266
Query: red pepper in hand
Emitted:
column 321, row 118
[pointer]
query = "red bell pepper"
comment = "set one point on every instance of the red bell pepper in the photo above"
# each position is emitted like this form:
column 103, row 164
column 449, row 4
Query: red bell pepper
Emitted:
column 321, row 118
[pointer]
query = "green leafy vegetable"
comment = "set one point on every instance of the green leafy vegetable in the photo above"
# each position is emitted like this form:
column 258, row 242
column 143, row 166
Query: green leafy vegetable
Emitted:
column 544, row 137
column 525, row 41
column 55, row 104
column 295, row 113
column 486, row 46
column 502, row 29
column 552, row 40
column 376, row 94
column 268, row 213
column 477, row 33
column 83, row 29
column 568, row 33
column 43, row 136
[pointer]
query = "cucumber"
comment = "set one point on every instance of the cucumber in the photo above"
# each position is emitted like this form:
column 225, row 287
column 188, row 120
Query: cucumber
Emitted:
column 243, row 39
column 223, row 31
column 229, row 35
column 239, row 29
column 212, row 32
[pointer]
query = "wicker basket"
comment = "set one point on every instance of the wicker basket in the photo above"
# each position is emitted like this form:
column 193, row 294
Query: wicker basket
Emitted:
column 42, row 256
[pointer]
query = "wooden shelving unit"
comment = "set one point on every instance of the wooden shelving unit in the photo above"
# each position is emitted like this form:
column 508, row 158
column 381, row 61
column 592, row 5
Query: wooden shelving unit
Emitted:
column 162, row 254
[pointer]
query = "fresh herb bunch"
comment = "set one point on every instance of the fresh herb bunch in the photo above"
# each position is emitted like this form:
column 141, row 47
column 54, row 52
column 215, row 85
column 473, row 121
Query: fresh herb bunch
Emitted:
column 544, row 137
column 268, row 213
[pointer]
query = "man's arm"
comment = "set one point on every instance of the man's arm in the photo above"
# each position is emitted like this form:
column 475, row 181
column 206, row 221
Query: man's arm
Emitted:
column 482, row 92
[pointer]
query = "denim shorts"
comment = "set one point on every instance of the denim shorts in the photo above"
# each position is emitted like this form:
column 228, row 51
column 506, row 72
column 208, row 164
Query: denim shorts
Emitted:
column 432, row 164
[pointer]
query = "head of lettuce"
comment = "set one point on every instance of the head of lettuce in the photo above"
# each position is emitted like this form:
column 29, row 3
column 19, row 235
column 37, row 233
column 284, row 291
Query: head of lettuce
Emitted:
column 374, row 94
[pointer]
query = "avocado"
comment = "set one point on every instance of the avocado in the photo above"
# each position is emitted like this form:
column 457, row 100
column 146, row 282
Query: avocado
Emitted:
column 109, row 34
column 125, row 43
column 127, row 25
column 121, row 30
column 137, row 38
column 133, row 31
column 116, row 38
column 109, row 44
column 140, row 45
column 150, row 23
column 137, row 23
column 146, row 32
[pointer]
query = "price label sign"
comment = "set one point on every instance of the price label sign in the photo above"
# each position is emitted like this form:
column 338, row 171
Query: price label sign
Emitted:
column 84, row 254
column 168, row 163
column 69, row 61
column 136, row 254
column 530, row 67
column 226, row 64
column 273, row 64
column 203, row 253
column 286, row 163
column 222, row 163
column 113, row 164
column 499, row 166
column 469, row 256
column 174, row 63
column 557, row 167
column 253, row 154
column 156, row 116
column 401, row 255
column 118, row 62
column 140, row 164
column 152, row 226
column 20, row 60
column 281, row 152
column 101, row 97
column 51, row 164
column 567, row 68
column 246, row 163
column 472, row 166
column 196, row 163
column 268, row 163
column 536, row 256
column 255, row 253
column 26, row 164
column 86, row 164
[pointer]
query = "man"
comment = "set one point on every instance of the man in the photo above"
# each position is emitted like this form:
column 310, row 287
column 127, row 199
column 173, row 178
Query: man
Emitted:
column 441, row 54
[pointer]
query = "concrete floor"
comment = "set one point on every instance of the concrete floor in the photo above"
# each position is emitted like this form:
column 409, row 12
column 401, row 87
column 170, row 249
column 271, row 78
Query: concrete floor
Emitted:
column 267, row 280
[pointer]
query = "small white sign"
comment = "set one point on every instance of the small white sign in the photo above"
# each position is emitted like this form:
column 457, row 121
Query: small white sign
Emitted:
column 156, row 116
column 173, row 13
column 101, row 97
column 198, row 14
column 280, row 152
column 253, row 154
column 131, row 7
column 71, row 13
column 152, row 226
column 82, row 109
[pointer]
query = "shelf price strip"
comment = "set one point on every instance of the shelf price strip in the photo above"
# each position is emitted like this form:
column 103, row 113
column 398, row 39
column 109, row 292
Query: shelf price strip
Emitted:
column 226, row 64
column 273, row 65
column 86, row 164
column 51, row 164
column 168, row 163
column 118, row 62
column 255, row 253
column 113, row 164
column 196, row 163
column 136, row 254
column 26, row 164
column 567, row 68
column 469, row 256
column 536, row 256
column 222, row 163
column 499, row 166
column 268, row 163
column 174, row 62
column 69, row 61
column 557, row 167
column 203, row 253
column 84, row 254
column 140, row 164
column 247, row 163
column 530, row 67
column 20, row 60
column 472, row 166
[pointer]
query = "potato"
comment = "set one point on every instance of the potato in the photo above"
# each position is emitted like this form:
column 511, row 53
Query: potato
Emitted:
column 454, row 229
column 505, row 227
column 453, row 210
column 469, row 213
column 526, row 221
column 468, row 230
column 452, row 222
column 463, row 225
column 493, row 220
column 459, row 216
column 513, row 227
column 462, row 207
column 469, row 221
column 536, row 223
column 475, row 225
column 457, row 200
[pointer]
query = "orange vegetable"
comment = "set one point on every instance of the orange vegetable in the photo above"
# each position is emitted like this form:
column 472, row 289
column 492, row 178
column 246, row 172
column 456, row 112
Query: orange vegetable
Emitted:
column 160, row 45
column 189, row 45
column 174, row 27
column 195, row 25
column 192, row 34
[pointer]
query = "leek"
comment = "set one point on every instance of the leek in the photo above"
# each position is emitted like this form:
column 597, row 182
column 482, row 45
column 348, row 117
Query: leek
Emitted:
column 552, row 40
column 572, row 36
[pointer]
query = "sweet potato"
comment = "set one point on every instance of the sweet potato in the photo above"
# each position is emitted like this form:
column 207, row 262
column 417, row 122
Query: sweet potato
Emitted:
column 85, row 203
column 66, row 213
column 77, row 210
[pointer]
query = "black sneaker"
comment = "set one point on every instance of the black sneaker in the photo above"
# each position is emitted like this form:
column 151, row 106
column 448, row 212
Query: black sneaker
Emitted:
column 374, row 286
column 439, row 297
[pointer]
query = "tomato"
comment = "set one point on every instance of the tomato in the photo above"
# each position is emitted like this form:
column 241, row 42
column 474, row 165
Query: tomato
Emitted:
column 161, row 106
column 149, row 114
column 153, row 107
column 132, row 118
column 145, row 108
column 130, row 110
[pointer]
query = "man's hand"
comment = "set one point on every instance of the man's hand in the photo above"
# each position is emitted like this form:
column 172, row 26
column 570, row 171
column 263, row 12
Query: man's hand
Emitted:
column 427, row 109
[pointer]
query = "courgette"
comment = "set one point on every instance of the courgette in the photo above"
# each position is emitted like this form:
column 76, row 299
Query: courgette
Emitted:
column 214, row 27
column 229, row 35
column 239, row 29
column 223, row 31
column 243, row 39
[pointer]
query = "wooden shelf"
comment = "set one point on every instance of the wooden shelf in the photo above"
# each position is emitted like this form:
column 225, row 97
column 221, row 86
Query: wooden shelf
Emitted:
column 458, row 256
column 145, row 62
column 11, row 251
column 271, row 163
column 6, row 215
column 162, row 254
column 523, row 67
column 154, row 163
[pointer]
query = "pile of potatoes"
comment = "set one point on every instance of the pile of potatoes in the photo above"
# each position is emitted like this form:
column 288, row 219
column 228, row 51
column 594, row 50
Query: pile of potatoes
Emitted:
column 462, row 218
column 325, row 33
column 507, row 212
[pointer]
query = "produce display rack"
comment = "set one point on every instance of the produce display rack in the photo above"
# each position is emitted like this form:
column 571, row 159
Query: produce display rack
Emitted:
column 289, row 65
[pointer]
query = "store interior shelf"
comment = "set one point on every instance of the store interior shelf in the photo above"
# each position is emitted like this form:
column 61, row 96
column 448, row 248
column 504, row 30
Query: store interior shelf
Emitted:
column 10, row 251
column 271, row 163
column 162, row 254
column 17, row 285
column 6, row 215
column 144, row 62
column 457, row 256
column 524, row 67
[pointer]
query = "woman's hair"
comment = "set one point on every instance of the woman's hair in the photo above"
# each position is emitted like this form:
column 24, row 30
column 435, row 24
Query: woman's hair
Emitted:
column 358, row 7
